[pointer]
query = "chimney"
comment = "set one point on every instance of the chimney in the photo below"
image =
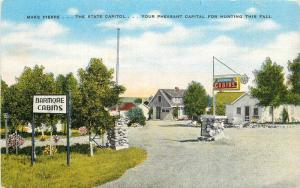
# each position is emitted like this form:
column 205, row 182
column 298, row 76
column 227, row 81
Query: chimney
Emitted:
column 176, row 89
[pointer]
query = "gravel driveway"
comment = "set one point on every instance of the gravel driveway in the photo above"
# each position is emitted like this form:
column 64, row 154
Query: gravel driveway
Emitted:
column 249, row 158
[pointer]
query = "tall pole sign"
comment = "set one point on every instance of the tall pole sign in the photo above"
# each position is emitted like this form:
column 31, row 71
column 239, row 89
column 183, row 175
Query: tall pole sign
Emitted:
column 226, row 82
column 213, row 88
column 51, row 104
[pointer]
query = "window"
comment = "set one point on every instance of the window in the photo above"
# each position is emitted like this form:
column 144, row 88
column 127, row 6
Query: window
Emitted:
column 238, row 110
column 159, row 98
column 165, row 110
column 255, row 111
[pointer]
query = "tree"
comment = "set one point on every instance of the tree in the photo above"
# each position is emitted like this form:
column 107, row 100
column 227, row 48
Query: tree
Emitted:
column 294, row 81
column 4, row 88
column 150, row 113
column 12, row 98
column 19, row 97
column 136, row 115
column 269, row 85
column 69, row 85
column 195, row 99
column 294, row 76
column 31, row 82
column 138, row 100
column 220, row 108
column 175, row 112
column 97, row 93
column 285, row 116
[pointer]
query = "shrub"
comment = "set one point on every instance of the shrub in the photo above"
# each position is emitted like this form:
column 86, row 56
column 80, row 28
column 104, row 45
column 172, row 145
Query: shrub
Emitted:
column 285, row 116
column 75, row 132
column 136, row 115
column 47, row 149
column 150, row 113
column 138, row 100
column 56, row 138
column 15, row 140
column 175, row 112
column 44, row 138
column 83, row 130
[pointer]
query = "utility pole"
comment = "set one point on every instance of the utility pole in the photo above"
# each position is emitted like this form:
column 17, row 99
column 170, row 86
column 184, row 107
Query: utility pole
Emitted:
column 213, row 89
column 117, row 64
column 118, row 47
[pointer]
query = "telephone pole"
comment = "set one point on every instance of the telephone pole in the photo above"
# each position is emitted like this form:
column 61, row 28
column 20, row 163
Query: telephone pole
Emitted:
column 117, row 64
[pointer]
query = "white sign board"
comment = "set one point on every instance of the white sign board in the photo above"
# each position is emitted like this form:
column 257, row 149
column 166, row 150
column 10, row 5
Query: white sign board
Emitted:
column 53, row 104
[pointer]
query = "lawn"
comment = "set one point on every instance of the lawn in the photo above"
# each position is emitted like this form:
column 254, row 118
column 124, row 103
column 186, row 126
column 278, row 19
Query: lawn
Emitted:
column 85, row 171
column 227, row 97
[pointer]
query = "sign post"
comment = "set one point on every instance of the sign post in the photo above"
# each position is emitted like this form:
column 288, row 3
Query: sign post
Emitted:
column 50, row 104
column 69, row 128
column 32, row 140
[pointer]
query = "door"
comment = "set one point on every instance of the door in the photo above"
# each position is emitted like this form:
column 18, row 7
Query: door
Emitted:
column 247, row 113
column 158, row 111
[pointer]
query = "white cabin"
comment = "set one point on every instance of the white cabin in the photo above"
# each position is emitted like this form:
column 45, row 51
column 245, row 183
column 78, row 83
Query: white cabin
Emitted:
column 246, row 109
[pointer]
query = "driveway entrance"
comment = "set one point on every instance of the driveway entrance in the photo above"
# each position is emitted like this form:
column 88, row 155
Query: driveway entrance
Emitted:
column 175, row 159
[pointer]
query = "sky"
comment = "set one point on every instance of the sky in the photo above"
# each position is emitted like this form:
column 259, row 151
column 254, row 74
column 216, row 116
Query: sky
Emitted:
column 154, row 52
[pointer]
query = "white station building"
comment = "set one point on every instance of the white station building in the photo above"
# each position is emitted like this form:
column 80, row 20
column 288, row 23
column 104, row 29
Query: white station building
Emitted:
column 246, row 109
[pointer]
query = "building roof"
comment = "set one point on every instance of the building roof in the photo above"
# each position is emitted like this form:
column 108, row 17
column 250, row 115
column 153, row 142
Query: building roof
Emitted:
column 125, row 106
column 228, row 97
column 172, row 93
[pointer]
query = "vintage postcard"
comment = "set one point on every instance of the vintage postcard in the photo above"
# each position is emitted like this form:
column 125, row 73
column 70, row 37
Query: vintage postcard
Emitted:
column 150, row 93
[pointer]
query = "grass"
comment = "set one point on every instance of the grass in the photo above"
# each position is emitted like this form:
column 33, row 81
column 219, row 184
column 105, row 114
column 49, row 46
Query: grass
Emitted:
column 85, row 171
column 227, row 97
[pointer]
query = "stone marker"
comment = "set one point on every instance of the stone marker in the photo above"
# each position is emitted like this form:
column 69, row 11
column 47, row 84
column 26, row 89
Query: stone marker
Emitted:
column 117, row 137
column 212, row 128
